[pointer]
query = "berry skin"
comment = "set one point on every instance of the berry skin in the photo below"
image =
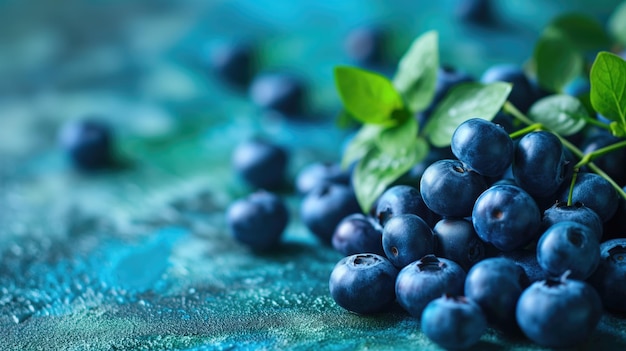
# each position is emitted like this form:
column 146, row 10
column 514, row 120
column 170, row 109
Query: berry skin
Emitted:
column 594, row 192
column 260, row 163
column 258, row 220
column 363, row 283
column 495, row 284
column 540, row 165
column 88, row 144
column 407, row 238
column 402, row 199
column 527, row 259
column 325, row 206
column 610, row 277
column 506, row 217
column 456, row 240
column 483, row 146
column 358, row 234
column 453, row 322
column 320, row 172
column 577, row 212
column 425, row 280
column 450, row 189
column 280, row 92
column 233, row 63
column 569, row 246
column 558, row 314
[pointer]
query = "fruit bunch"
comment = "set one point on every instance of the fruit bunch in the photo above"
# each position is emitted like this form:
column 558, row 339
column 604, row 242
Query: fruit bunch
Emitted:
column 517, row 226
column 470, row 204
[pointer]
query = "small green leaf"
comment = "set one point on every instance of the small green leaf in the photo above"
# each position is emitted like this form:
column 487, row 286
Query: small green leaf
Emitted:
column 617, row 23
column 557, row 62
column 464, row 101
column 360, row 144
column 377, row 170
column 584, row 32
column 608, row 86
column 397, row 138
column 417, row 72
column 368, row 96
column 563, row 114
column 618, row 129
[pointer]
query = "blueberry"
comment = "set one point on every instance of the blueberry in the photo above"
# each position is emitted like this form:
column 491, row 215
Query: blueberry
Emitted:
column 358, row 234
column 258, row 220
column 496, row 284
column 483, row 146
column 363, row 283
column 456, row 240
column 558, row 313
column 610, row 277
column 450, row 189
column 261, row 163
column 233, row 62
column 577, row 87
column 453, row 322
column 569, row 246
column 325, row 206
column 425, row 280
column 280, row 92
column 522, row 95
column 320, row 172
column 366, row 45
column 406, row 238
column 594, row 192
column 527, row 259
column 540, row 166
column 506, row 217
column 476, row 11
column 402, row 199
column 88, row 144
column 577, row 212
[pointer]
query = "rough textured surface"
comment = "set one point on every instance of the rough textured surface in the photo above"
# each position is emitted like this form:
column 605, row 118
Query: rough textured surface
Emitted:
column 139, row 258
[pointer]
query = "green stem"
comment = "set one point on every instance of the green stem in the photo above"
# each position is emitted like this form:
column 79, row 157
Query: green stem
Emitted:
column 571, row 187
column 512, row 110
column 597, row 123
column 524, row 131
column 600, row 152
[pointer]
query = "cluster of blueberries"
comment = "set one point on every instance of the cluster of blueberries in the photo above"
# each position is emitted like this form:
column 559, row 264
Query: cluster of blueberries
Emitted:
column 479, row 234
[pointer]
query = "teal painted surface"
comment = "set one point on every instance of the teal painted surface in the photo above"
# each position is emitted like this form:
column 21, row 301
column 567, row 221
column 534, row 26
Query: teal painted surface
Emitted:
column 140, row 258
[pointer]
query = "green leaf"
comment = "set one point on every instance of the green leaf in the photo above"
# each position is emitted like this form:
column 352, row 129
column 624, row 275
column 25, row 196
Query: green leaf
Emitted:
column 367, row 96
column 584, row 32
column 608, row 86
column 344, row 120
column 464, row 101
column 397, row 138
column 563, row 114
column 377, row 170
column 417, row 72
column 617, row 23
column 557, row 62
column 618, row 129
column 360, row 144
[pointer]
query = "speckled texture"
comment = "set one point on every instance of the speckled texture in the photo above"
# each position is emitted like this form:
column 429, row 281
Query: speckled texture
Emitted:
column 139, row 258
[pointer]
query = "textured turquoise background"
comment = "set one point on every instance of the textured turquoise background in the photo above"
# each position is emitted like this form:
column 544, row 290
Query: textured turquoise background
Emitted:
column 139, row 258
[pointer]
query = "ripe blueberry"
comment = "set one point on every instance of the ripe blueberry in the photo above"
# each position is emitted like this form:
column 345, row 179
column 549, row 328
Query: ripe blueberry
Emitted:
column 258, row 220
column 363, row 283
